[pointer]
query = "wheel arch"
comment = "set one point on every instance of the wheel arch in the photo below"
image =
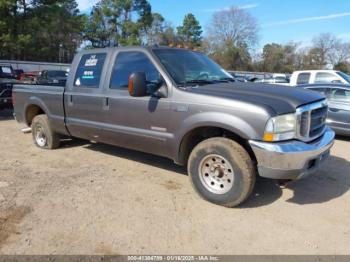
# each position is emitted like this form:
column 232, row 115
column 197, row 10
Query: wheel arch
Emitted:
column 33, row 108
column 198, row 134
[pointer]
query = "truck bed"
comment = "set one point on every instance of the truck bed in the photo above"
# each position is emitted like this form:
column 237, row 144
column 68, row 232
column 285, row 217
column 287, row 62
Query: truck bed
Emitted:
column 48, row 98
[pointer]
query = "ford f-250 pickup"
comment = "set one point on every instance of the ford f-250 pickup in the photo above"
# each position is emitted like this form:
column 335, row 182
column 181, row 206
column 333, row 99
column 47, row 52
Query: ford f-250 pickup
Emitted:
column 181, row 105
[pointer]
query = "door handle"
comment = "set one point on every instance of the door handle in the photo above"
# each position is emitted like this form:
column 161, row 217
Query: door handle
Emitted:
column 106, row 103
column 70, row 100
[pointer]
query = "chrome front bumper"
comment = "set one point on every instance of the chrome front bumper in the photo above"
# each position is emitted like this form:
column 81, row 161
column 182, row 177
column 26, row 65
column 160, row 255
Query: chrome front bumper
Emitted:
column 292, row 159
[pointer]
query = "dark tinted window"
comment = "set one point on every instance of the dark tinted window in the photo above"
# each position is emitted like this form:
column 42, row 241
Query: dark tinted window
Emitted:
column 57, row 74
column 131, row 62
column 281, row 79
column 89, row 70
column 303, row 78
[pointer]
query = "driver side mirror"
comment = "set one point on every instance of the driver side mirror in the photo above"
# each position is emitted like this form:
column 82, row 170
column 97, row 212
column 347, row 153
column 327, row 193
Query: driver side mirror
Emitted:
column 137, row 86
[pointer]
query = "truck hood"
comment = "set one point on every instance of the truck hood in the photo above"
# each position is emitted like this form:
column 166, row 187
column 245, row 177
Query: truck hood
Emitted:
column 282, row 100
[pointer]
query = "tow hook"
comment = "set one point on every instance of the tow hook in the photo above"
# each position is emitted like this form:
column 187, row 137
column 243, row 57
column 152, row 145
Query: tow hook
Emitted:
column 283, row 182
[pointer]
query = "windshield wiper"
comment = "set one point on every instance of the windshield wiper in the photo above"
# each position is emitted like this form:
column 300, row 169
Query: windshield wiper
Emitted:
column 207, row 82
column 198, row 81
column 227, row 79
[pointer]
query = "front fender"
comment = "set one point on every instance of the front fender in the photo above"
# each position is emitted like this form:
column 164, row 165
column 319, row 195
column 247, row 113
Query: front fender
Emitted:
column 226, row 121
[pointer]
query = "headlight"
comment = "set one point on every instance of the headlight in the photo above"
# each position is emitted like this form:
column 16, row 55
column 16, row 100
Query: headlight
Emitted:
column 280, row 128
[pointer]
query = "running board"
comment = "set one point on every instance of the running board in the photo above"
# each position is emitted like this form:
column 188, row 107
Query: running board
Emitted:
column 26, row 130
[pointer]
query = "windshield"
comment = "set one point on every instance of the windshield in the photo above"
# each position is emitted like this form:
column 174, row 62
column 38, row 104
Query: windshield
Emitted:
column 6, row 69
column 57, row 73
column 345, row 76
column 191, row 67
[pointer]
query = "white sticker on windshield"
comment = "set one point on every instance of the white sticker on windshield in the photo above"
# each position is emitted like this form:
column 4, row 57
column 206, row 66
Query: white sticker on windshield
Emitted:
column 92, row 61
column 77, row 82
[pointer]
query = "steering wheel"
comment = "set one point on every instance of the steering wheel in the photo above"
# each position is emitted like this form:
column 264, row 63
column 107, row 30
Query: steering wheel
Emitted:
column 203, row 76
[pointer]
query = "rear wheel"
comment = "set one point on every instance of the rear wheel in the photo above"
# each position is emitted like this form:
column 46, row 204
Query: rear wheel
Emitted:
column 43, row 135
column 221, row 171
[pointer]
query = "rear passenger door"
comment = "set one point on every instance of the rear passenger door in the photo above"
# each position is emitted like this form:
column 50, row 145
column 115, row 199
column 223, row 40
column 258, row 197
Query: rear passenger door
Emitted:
column 84, row 98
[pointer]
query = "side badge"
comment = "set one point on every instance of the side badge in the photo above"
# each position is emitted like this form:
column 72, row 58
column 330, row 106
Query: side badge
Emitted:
column 182, row 108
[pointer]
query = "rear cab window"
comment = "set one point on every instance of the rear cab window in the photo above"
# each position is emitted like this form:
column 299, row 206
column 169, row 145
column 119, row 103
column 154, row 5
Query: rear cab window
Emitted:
column 324, row 77
column 89, row 70
column 303, row 78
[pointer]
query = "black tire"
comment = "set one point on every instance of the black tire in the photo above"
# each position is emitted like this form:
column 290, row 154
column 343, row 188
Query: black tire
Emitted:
column 243, row 171
column 41, row 124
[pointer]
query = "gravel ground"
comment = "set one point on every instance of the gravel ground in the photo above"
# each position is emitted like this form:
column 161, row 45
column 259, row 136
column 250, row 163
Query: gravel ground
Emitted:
column 96, row 199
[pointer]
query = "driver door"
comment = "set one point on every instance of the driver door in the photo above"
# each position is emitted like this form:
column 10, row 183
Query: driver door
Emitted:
column 140, row 123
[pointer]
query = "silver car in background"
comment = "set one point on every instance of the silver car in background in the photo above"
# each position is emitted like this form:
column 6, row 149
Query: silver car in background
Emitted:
column 338, row 97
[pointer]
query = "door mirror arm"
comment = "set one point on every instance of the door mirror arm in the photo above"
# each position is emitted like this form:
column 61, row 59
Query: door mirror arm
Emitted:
column 162, row 92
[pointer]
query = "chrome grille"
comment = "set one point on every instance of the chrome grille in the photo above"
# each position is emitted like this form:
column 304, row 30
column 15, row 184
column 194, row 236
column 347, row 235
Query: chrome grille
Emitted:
column 318, row 121
column 304, row 121
column 312, row 120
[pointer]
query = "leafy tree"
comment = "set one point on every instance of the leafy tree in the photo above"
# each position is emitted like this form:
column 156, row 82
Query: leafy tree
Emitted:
column 43, row 30
column 233, row 58
column 280, row 58
column 168, row 36
column 58, row 29
column 118, row 22
column 322, row 48
column 154, row 33
column 343, row 66
column 231, row 35
column 13, row 39
column 97, row 29
column 190, row 31
column 233, row 27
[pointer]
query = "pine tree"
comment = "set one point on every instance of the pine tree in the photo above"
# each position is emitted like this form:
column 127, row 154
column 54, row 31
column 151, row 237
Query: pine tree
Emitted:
column 190, row 32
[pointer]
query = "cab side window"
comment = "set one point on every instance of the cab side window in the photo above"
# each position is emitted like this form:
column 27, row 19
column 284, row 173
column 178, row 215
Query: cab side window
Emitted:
column 89, row 70
column 130, row 62
column 303, row 78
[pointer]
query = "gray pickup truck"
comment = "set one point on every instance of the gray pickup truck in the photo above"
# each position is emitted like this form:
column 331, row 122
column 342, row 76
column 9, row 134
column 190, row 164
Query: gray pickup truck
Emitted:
column 181, row 105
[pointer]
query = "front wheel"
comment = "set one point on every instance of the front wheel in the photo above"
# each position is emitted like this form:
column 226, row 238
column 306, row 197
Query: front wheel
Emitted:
column 221, row 171
column 43, row 135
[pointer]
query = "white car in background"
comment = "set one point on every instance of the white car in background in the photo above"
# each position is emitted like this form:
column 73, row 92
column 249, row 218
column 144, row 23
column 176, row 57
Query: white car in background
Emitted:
column 319, row 77
column 277, row 79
